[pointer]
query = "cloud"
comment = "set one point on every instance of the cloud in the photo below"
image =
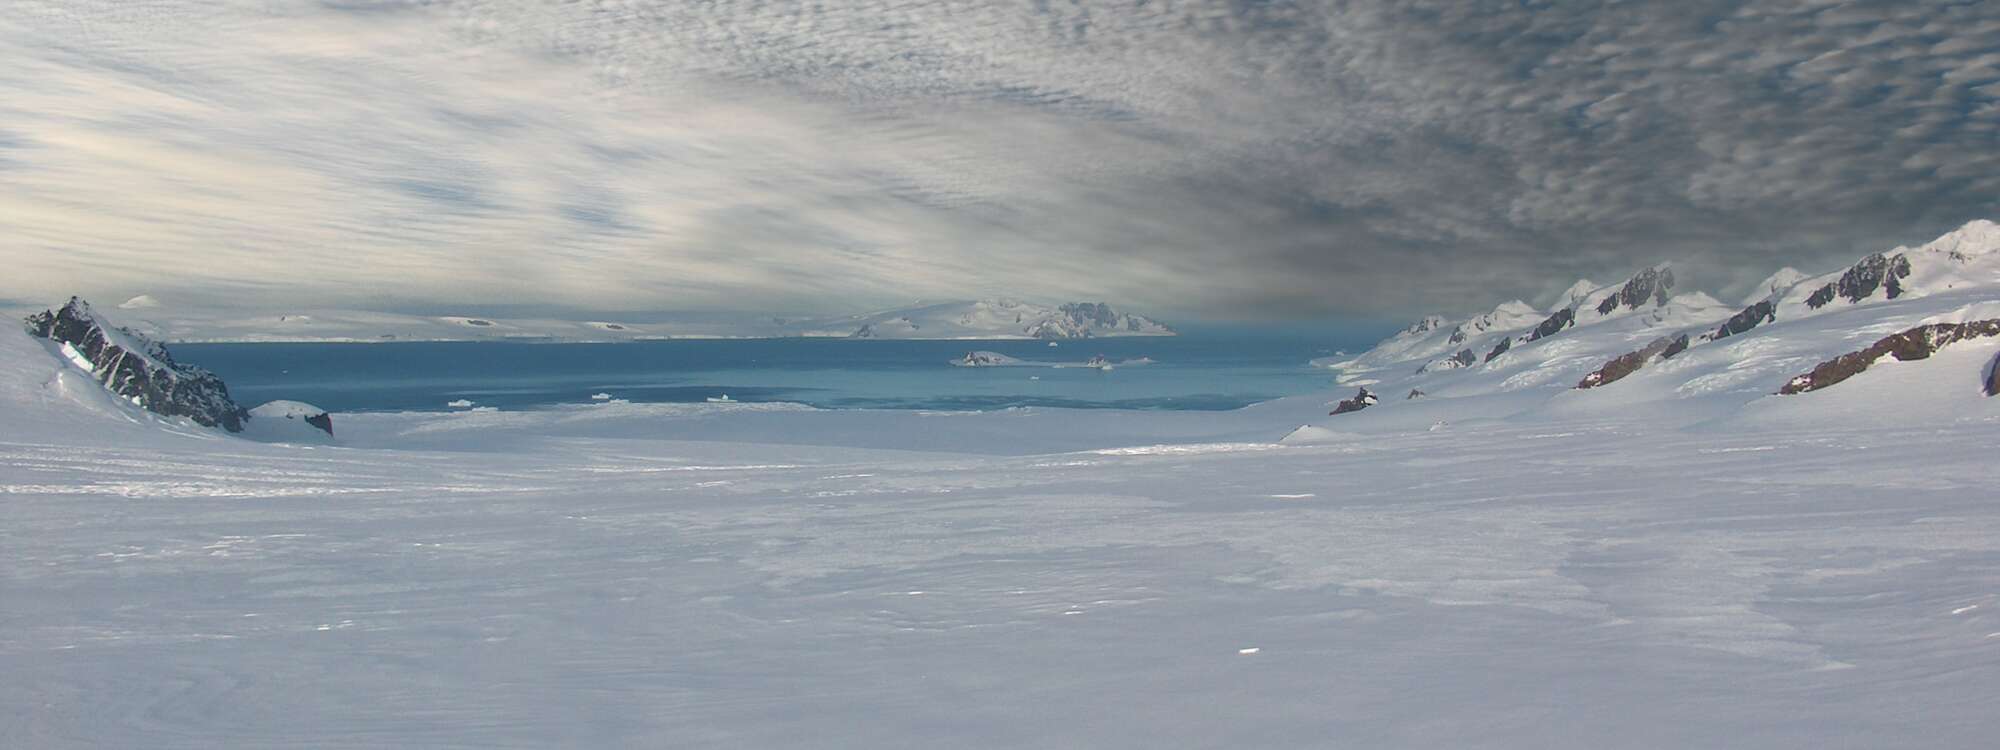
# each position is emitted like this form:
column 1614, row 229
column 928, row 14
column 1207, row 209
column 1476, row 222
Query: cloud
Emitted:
column 1212, row 158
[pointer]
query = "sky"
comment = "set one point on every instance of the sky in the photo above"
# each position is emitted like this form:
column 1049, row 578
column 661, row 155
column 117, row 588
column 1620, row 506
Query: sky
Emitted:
column 1213, row 160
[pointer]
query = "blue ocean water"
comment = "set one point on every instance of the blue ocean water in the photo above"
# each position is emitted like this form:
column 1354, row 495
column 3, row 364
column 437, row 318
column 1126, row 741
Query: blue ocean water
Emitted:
column 1214, row 371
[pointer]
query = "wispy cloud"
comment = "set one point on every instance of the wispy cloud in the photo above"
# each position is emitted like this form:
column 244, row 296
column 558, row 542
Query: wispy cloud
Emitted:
column 1211, row 157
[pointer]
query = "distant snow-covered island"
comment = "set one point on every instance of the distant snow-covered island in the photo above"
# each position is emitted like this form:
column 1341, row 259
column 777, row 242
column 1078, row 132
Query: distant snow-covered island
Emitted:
column 164, row 320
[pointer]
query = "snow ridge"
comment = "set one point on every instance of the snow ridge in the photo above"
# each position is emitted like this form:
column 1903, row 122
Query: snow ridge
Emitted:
column 1690, row 345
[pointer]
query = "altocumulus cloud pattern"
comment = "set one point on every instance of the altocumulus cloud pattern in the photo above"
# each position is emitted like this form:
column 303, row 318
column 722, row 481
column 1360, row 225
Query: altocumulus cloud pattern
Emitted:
column 1218, row 157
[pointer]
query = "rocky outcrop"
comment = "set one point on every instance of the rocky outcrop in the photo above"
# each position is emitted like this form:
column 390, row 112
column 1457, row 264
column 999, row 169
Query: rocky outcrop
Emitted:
column 864, row 332
column 1080, row 320
column 1563, row 318
column 1362, row 400
column 1751, row 317
column 1876, row 271
column 290, row 422
column 1415, row 393
column 137, row 369
column 1464, row 358
column 984, row 359
column 1993, row 377
column 1500, row 348
column 1914, row 344
column 1664, row 347
column 1650, row 285
column 1421, row 327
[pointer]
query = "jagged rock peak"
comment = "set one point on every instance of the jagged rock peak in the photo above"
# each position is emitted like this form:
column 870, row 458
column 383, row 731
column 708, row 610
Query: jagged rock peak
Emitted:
column 136, row 368
column 1650, row 286
column 1876, row 271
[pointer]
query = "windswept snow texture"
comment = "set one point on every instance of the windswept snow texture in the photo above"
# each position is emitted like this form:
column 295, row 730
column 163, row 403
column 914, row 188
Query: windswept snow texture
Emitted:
column 1821, row 571
column 1675, row 558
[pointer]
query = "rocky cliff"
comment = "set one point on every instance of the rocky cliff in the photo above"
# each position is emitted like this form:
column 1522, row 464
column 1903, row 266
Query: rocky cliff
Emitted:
column 137, row 369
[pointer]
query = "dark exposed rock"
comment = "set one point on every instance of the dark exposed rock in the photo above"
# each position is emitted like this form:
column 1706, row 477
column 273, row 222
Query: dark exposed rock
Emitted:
column 1876, row 271
column 140, row 370
column 1751, row 317
column 273, row 421
column 1457, row 337
column 1464, row 358
column 1500, row 348
column 1415, row 394
column 1993, row 377
column 1428, row 324
column 1914, row 344
column 1630, row 362
column 1678, row 345
column 1091, row 314
column 1563, row 318
column 1362, row 400
column 1651, row 285
column 983, row 359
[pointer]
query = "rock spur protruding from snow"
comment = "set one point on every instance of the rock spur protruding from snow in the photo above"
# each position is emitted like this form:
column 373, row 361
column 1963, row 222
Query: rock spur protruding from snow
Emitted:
column 136, row 368
column 1721, row 357
column 1993, row 376
column 1664, row 347
column 1911, row 345
column 289, row 422
column 1362, row 400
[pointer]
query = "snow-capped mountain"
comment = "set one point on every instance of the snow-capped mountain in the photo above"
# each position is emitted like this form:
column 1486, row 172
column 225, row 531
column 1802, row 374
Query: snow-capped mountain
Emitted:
column 995, row 319
column 1638, row 341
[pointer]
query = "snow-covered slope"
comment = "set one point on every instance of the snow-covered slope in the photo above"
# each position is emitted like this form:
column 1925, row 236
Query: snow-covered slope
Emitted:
column 1638, row 343
column 993, row 319
column 289, row 422
column 739, row 575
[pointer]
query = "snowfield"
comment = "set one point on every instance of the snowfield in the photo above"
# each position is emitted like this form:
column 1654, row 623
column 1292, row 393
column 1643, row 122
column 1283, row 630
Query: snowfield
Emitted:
column 1673, row 557
column 736, row 575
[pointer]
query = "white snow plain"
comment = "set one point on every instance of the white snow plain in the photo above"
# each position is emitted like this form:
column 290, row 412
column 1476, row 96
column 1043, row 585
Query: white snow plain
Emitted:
column 1523, row 566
